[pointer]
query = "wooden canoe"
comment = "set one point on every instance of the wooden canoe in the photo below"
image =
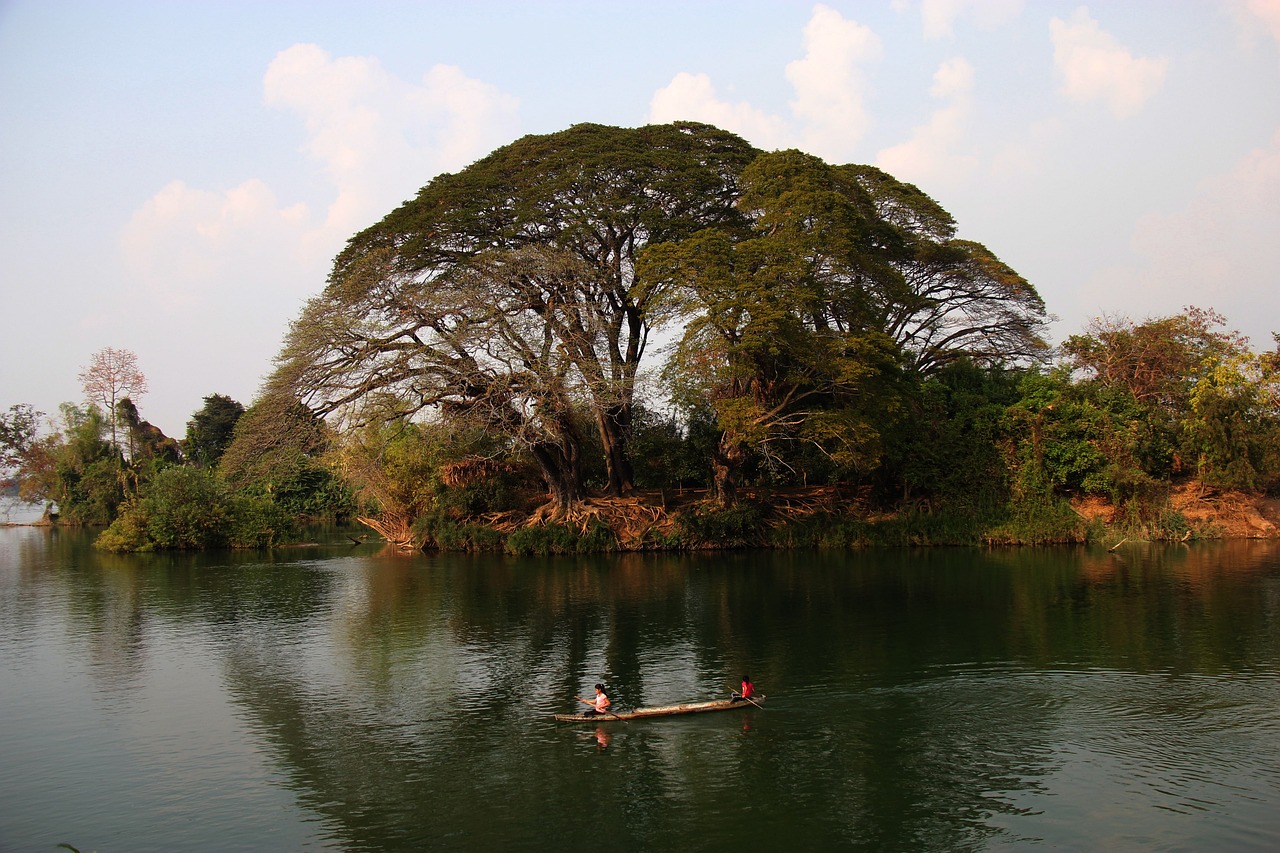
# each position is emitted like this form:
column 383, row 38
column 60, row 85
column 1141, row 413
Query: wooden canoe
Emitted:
column 661, row 711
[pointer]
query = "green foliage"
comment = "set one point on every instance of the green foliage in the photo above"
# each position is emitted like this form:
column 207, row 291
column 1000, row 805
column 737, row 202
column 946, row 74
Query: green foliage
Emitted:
column 433, row 480
column 558, row 538
column 76, row 469
column 446, row 534
column 1233, row 429
column 257, row 522
column 212, row 429
column 1087, row 438
column 739, row 526
column 507, row 294
column 187, row 508
column 1040, row 520
column 667, row 456
column 945, row 449
column 19, row 429
column 280, row 452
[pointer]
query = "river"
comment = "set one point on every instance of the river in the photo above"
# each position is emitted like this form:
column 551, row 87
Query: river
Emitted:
column 341, row 698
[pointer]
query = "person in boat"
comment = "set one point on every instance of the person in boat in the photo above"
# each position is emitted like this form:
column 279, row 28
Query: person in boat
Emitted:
column 601, row 705
column 748, row 690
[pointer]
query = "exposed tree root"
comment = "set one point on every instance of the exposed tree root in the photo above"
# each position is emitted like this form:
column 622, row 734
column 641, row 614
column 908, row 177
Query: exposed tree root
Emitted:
column 394, row 528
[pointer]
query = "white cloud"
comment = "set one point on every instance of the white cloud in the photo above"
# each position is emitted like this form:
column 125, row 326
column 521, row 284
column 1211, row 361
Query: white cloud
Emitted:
column 929, row 157
column 203, row 261
column 185, row 244
column 939, row 16
column 1094, row 66
column 693, row 97
column 830, row 84
column 828, row 113
column 378, row 137
column 1208, row 254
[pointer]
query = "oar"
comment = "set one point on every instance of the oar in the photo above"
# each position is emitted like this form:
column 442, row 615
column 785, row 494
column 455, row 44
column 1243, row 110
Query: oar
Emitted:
column 749, row 699
column 608, row 713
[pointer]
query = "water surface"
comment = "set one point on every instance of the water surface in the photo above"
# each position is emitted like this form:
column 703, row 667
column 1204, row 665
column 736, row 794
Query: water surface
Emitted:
column 339, row 698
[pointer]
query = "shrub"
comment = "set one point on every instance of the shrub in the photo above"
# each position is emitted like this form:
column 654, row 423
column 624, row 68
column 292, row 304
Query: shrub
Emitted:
column 186, row 508
column 556, row 538
column 739, row 526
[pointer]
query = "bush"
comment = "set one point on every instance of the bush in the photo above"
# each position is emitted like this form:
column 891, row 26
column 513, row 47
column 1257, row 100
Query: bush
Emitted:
column 185, row 508
column 258, row 522
column 556, row 538
column 447, row 534
column 739, row 526
column 1044, row 521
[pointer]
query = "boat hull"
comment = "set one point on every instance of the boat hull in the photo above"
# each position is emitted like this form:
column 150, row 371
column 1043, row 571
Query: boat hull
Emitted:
column 661, row 711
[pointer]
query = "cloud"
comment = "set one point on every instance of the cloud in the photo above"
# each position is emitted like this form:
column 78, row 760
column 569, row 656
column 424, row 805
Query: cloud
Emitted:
column 1094, row 66
column 202, row 261
column 1207, row 254
column 939, row 16
column 828, row 113
column 830, row 84
column 693, row 97
column 185, row 243
column 378, row 137
column 929, row 156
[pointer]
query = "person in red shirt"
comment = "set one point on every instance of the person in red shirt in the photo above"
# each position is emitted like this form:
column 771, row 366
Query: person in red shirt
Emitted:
column 748, row 690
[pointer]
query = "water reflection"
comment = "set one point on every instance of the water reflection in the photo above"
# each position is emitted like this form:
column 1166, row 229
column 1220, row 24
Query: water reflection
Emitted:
column 938, row 699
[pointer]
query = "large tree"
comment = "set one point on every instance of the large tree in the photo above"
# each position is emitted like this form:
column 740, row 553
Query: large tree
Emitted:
column 508, row 292
column 799, row 320
column 945, row 299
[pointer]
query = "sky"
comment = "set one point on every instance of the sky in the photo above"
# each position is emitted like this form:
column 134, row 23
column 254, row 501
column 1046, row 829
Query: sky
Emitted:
column 176, row 177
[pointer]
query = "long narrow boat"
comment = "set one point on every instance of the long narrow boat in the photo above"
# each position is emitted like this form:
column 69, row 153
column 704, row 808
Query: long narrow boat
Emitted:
column 661, row 711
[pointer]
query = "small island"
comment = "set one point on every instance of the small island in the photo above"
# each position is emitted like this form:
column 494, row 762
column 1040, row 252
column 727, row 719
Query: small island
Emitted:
column 664, row 338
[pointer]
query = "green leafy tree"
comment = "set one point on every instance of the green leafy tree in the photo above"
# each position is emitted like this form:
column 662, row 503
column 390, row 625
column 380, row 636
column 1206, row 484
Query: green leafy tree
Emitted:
column 1195, row 380
column 148, row 445
column 1234, row 424
column 508, row 292
column 1158, row 361
column 19, row 429
column 800, row 322
column 281, row 450
column 211, row 429
column 941, row 299
column 75, row 468
column 748, row 354
column 946, row 448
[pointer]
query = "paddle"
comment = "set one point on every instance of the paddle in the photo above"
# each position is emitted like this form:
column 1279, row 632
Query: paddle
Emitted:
column 748, row 698
column 603, row 714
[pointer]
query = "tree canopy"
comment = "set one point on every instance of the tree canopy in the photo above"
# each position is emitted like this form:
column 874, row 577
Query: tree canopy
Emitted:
column 210, row 430
column 508, row 292
column 519, row 296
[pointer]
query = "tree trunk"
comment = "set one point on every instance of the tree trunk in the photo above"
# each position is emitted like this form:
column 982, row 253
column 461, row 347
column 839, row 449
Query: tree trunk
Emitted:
column 561, row 466
column 614, row 424
column 726, row 460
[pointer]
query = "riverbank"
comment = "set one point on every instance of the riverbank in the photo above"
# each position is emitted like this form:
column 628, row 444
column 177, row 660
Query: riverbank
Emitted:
column 686, row 520
column 828, row 517
column 1208, row 513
